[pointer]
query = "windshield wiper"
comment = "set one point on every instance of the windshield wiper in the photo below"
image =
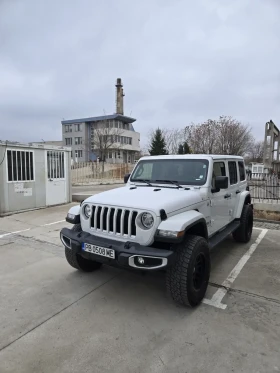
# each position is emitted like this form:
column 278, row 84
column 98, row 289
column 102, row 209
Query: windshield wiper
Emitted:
column 174, row 182
column 143, row 181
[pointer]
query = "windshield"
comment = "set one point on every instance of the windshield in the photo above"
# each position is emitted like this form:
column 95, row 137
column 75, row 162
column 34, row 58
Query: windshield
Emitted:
column 183, row 171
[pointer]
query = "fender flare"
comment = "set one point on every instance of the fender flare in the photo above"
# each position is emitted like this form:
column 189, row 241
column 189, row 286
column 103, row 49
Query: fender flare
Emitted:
column 244, row 199
column 184, row 221
column 73, row 215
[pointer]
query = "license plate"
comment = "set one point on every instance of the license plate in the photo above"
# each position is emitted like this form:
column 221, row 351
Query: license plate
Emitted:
column 98, row 250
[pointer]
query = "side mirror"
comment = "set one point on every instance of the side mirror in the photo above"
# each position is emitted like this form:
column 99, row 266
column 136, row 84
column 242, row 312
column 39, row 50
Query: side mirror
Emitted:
column 221, row 182
column 126, row 177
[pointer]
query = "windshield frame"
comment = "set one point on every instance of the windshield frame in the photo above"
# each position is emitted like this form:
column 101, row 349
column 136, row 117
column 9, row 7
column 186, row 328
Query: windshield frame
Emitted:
column 181, row 182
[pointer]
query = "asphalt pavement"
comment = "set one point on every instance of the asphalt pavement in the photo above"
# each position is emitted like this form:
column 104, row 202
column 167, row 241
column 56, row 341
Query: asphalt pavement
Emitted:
column 55, row 319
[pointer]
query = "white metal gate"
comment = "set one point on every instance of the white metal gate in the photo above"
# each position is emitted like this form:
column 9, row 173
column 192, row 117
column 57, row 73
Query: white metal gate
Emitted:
column 56, row 180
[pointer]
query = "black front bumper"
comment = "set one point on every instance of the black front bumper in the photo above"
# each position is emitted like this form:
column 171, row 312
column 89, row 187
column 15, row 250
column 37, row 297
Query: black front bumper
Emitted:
column 126, row 253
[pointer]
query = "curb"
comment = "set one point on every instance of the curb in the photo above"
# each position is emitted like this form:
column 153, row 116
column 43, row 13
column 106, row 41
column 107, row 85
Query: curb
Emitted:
column 96, row 184
column 267, row 221
column 79, row 197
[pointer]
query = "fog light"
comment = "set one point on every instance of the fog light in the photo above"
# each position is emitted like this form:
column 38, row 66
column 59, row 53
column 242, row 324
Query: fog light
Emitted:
column 71, row 216
column 140, row 260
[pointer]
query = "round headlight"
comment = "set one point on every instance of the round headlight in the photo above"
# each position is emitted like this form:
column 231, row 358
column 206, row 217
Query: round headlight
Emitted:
column 87, row 211
column 147, row 220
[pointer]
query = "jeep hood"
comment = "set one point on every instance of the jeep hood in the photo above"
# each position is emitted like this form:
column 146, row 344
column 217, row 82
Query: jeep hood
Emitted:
column 147, row 198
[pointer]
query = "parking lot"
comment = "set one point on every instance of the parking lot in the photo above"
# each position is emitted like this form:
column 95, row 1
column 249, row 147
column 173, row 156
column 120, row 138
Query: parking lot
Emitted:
column 55, row 319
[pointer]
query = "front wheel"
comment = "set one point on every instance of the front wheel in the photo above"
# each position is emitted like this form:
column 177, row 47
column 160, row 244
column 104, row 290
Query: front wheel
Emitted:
column 77, row 261
column 187, row 280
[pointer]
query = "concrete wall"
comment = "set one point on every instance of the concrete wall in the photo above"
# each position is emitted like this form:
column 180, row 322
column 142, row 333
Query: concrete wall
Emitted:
column 266, row 206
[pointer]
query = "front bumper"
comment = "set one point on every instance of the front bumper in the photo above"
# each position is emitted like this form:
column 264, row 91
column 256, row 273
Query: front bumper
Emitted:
column 126, row 253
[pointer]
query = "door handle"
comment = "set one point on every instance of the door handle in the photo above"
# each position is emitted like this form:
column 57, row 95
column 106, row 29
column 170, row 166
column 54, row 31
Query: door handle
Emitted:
column 227, row 196
column 238, row 191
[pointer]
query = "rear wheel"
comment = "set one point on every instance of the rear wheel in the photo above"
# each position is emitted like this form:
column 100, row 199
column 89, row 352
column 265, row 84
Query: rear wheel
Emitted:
column 76, row 260
column 187, row 280
column 244, row 231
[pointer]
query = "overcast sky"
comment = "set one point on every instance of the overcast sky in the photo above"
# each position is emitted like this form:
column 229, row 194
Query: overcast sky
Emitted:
column 180, row 62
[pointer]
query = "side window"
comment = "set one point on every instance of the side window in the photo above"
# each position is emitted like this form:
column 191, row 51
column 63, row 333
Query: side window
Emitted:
column 219, row 169
column 232, row 172
column 241, row 170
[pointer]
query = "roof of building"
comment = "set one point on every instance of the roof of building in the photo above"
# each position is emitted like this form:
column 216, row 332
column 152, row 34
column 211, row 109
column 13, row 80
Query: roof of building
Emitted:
column 32, row 145
column 120, row 117
column 55, row 142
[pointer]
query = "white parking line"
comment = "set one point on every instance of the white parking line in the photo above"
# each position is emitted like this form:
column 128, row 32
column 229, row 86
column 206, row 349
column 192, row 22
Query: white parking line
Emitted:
column 216, row 300
column 25, row 230
column 55, row 222
column 10, row 233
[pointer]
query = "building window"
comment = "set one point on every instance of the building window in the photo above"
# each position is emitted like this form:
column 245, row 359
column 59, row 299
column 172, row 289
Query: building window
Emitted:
column 78, row 140
column 20, row 165
column 68, row 140
column 77, row 127
column 232, row 172
column 79, row 154
column 124, row 140
column 68, row 128
column 55, row 165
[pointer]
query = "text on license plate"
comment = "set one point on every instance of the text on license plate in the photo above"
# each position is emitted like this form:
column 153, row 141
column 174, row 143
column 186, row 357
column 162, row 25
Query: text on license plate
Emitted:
column 109, row 253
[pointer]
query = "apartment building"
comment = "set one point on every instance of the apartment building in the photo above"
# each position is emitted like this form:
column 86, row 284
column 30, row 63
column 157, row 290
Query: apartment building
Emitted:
column 109, row 137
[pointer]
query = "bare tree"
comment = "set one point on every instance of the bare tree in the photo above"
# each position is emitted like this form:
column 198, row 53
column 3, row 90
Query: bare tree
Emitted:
column 234, row 138
column 173, row 138
column 202, row 137
column 105, row 138
column 223, row 136
column 256, row 151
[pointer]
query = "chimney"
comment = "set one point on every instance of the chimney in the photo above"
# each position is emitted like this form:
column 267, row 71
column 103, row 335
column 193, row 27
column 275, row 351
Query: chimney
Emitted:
column 119, row 97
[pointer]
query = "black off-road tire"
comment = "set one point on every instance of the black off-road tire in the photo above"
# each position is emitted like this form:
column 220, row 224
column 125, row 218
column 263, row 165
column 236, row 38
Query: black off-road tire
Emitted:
column 244, row 232
column 77, row 261
column 182, row 282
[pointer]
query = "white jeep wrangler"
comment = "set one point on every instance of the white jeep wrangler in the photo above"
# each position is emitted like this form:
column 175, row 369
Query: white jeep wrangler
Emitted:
column 172, row 211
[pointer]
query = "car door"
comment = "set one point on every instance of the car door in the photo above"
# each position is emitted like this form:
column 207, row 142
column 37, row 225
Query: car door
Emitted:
column 219, row 199
column 233, row 188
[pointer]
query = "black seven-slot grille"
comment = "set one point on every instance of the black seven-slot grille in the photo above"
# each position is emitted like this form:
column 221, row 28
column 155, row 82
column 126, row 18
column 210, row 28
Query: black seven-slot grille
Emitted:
column 114, row 220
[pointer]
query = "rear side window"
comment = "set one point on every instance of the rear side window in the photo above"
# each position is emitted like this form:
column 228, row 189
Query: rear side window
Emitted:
column 232, row 172
column 241, row 170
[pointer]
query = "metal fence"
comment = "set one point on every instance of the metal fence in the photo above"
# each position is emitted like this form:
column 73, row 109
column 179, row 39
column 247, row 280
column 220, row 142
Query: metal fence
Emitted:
column 264, row 187
column 91, row 172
